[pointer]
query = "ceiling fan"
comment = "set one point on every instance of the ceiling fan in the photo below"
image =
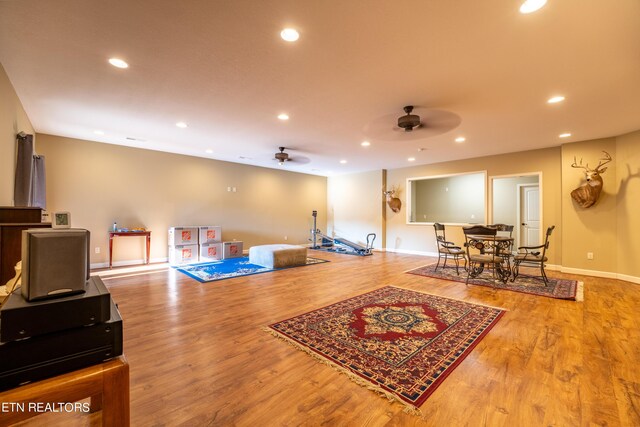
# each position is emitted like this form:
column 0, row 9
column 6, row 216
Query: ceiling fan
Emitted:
column 282, row 157
column 410, row 121
column 430, row 122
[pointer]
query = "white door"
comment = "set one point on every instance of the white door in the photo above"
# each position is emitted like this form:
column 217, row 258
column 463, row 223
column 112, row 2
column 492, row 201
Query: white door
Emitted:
column 529, row 215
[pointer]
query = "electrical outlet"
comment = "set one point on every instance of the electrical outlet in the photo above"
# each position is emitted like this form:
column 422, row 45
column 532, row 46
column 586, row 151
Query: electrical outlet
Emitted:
column 286, row 238
column 229, row 189
column 97, row 249
column 589, row 255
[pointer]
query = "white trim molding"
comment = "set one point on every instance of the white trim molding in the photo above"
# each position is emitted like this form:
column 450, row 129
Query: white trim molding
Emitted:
column 584, row 272
column 127, row 263
column 411, row 252
column 628, row 278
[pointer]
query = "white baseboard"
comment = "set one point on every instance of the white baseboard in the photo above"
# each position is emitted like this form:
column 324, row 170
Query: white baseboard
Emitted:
column 126, row 263
column 593, row 273
column 628, row 278
column 411, row 252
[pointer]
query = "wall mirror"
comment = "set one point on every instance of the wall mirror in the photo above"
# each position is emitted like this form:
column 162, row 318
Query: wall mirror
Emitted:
column 450, row 199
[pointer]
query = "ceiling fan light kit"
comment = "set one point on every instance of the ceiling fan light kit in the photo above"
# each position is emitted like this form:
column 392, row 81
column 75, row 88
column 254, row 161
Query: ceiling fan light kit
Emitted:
column 282, row 157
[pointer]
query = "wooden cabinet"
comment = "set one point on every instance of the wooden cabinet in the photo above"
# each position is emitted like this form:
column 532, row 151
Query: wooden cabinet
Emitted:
column 12, row 221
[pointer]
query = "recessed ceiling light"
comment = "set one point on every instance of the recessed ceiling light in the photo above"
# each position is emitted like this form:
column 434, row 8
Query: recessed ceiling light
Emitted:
column 365, row 143
column 117, row 62
column 411, row 159
column 283, row 116
column 460, row 139
column 98, row 132
column 181, row 125
column 208, row 151
column 565, row 135
column 532, row 5
column 343, row 161
column 289, row 34
column 555, row 99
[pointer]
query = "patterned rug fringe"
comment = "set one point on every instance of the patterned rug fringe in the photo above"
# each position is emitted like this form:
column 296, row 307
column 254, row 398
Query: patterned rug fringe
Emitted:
column 408, row 408
column 580, row 292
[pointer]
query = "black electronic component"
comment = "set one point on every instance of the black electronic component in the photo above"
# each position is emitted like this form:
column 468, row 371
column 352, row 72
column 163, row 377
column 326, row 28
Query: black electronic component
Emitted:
column 22, row 319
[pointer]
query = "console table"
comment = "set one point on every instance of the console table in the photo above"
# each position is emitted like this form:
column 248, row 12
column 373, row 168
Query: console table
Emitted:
column 112, row 234
column 107, row 384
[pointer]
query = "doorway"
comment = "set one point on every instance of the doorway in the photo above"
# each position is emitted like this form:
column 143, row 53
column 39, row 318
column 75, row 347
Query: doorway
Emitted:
column 528, row 226
column 517, row 200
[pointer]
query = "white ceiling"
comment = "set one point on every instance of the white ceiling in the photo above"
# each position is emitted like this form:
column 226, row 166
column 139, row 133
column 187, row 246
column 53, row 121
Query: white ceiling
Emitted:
column 221, row 67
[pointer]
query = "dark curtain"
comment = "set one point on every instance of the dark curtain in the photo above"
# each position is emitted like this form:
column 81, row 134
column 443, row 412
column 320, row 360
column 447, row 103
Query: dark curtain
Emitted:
column 29, row 189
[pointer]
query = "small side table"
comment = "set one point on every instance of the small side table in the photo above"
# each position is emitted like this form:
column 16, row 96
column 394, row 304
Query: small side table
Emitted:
column 107, row 384
column 112, row 234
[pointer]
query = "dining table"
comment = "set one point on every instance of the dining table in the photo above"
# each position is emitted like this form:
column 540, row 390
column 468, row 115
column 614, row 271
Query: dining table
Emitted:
column 500, row 246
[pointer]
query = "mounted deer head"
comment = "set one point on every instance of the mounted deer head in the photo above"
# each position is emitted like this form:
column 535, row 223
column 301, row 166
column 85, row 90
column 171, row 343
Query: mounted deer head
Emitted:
column 587, row 194
column 392, row 200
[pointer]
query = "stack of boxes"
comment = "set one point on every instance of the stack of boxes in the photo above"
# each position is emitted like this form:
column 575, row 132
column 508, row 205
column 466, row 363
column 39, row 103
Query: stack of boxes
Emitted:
column 183, row 245
column 210, row 243
column 200, row 244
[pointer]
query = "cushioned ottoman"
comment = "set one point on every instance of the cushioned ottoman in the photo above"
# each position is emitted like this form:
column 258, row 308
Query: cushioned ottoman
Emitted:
column 278, row 256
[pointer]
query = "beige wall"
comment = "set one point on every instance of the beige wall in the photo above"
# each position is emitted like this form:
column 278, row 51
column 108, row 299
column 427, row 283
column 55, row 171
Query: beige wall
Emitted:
column 453, row 199
column 101, row 183
column 610, row 229
column 627, row 187
column 591, row 229
column 355, row 204
column 420, row 238
column 13, row 119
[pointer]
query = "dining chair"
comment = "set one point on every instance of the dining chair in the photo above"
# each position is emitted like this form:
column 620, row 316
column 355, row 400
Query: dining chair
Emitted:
column 506, row 231
column 503, row 229
column 534, row 256
column 479, row 238
column 447, row 249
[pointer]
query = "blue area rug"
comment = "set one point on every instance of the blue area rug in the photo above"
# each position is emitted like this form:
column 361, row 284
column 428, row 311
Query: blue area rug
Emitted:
column 228, row 268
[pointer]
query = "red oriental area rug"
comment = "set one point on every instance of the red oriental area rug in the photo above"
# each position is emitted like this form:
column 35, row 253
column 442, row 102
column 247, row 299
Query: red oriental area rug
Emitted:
column 398, row 342
column 556, row 288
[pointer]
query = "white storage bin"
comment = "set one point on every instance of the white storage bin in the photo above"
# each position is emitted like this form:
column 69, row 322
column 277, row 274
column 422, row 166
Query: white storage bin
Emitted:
column 183, row 236
column 210, row 251
column 210, row 234
column 183, row 254
column 232, row 249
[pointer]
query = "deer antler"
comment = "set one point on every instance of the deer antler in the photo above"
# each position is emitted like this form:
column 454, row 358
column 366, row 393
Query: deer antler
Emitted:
column 576, row 165
column 606, row 159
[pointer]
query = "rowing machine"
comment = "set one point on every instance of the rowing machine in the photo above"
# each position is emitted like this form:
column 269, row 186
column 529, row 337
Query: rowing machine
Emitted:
column 339, row 244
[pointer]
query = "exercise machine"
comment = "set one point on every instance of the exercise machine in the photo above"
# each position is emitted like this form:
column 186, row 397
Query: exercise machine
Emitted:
column 338, row 244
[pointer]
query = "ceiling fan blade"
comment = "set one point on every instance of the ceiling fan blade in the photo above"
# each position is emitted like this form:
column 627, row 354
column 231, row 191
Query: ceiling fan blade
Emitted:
column 300, row 160
column 433, row 122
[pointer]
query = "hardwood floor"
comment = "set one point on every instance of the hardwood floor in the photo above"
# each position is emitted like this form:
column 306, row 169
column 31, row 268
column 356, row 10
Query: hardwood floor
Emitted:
column 198, row 355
